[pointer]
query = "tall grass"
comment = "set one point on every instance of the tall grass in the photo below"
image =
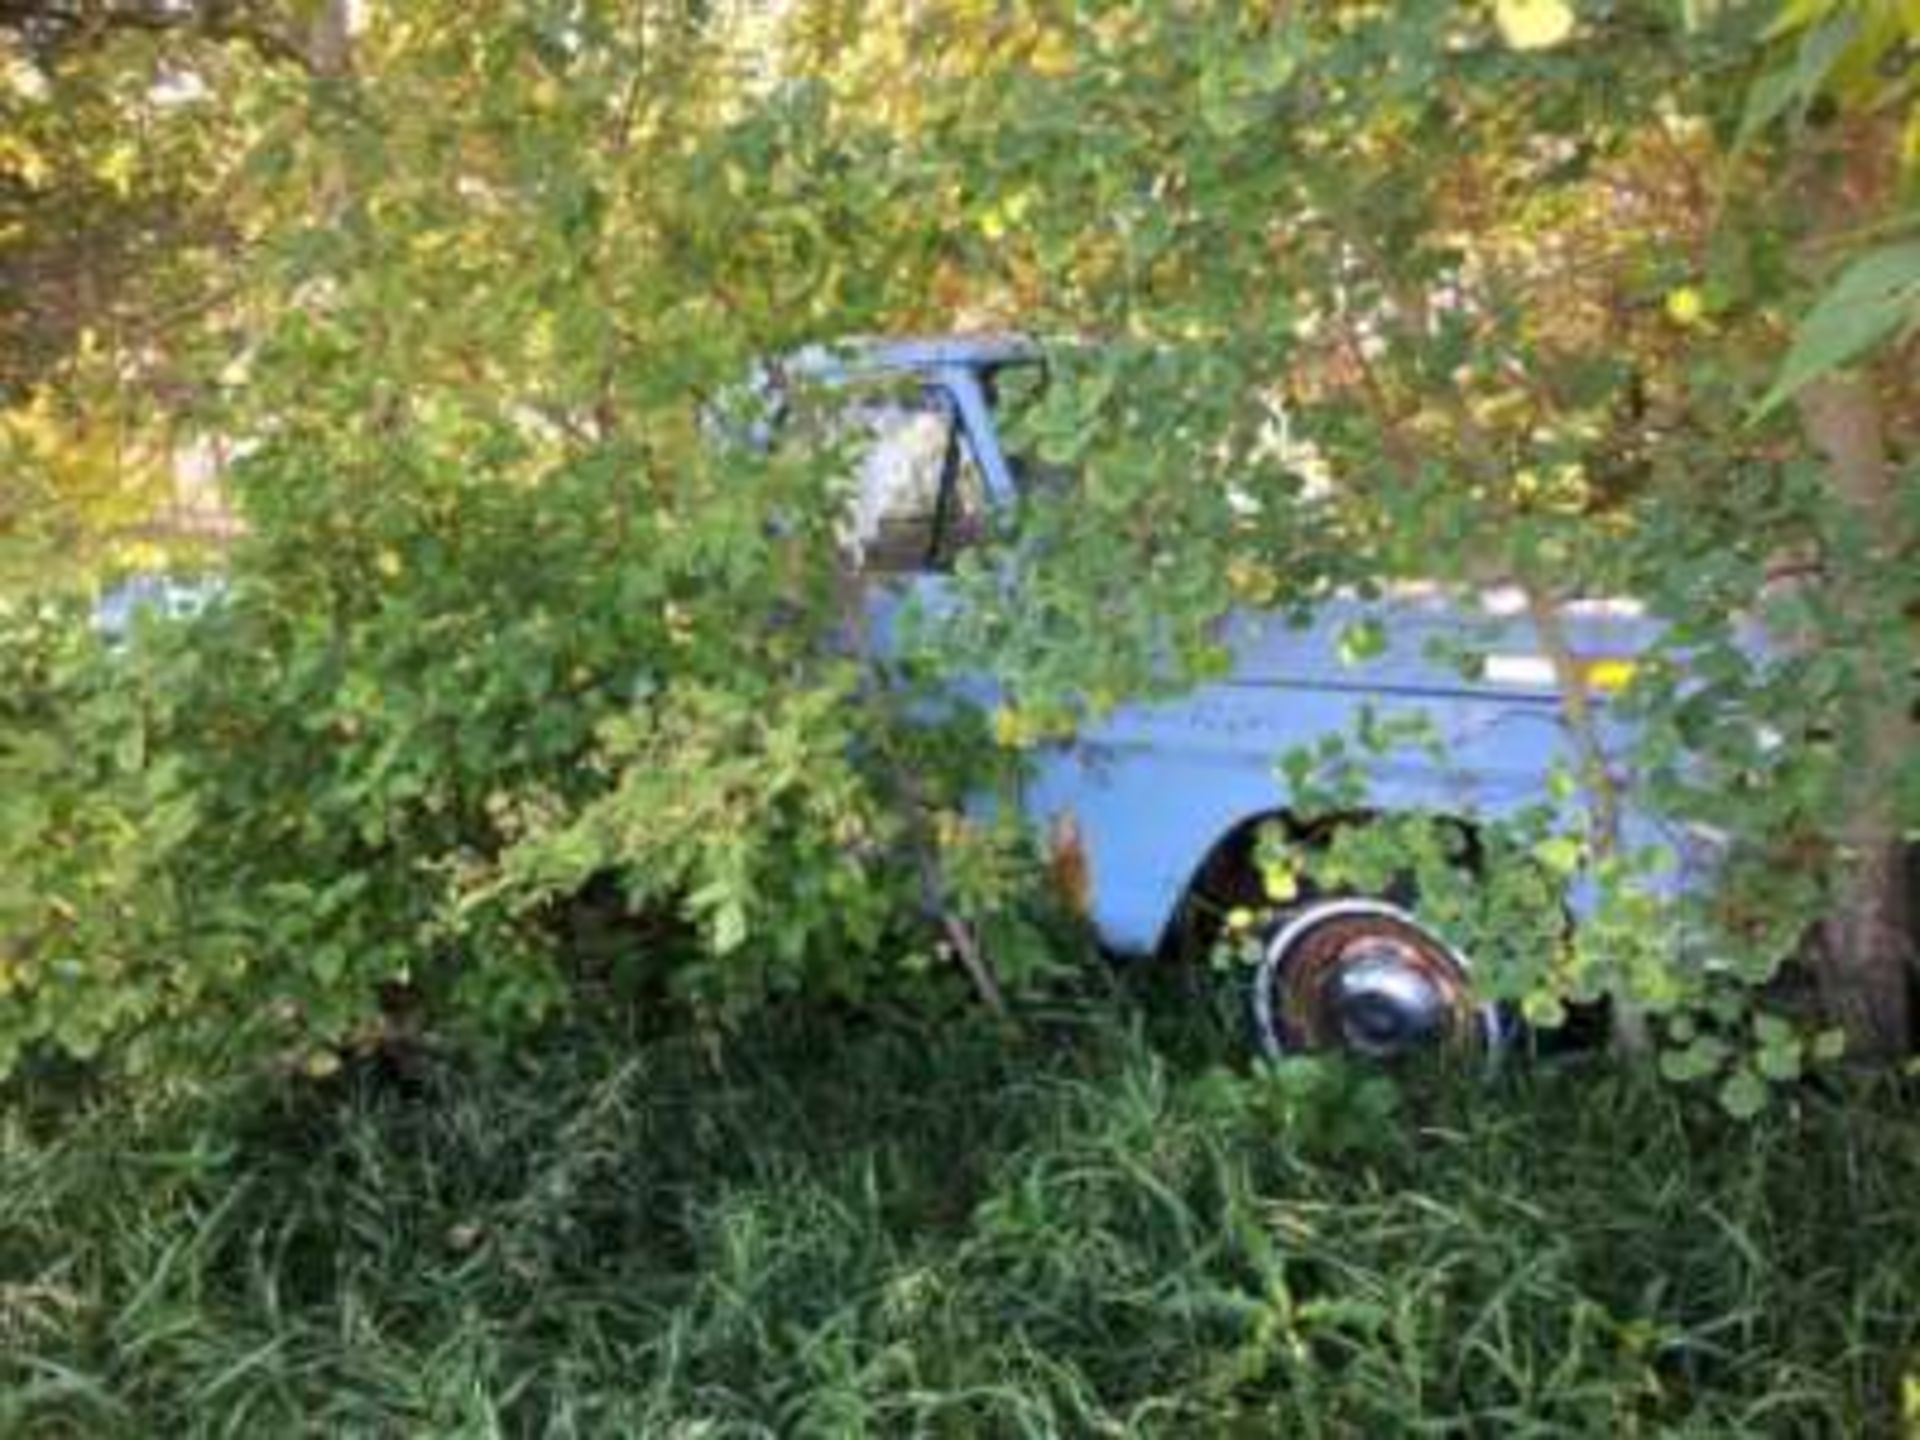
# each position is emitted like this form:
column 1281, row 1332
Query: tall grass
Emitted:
column 841, row 1231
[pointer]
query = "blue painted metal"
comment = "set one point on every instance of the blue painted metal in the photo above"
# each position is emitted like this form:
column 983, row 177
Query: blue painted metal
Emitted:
column 153, row 592
column 963, row 383
column 852, row 360
column 1154, row 787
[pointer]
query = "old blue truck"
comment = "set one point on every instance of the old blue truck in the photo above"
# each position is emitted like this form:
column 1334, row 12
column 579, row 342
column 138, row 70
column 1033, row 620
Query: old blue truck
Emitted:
column 1153, row 796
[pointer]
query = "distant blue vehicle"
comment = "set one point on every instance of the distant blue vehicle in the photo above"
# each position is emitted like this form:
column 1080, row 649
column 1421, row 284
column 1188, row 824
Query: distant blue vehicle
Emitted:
column 1154, row 797
column 170, row 597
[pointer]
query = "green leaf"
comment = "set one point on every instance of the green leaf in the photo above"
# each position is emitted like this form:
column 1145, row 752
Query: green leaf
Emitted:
column 1795, row 87
column 1772, row 1031
column 1877, row 295
column 1361, row 640
column 1703, row 1057
column 729, row 928
column 1779, row 1062
column 1544, row 1009
column 1829, row 1045
column 1560, row 854
column 1744, row 1094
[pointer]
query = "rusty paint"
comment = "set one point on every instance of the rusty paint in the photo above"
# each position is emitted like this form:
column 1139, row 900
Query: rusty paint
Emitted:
column 1067, row 861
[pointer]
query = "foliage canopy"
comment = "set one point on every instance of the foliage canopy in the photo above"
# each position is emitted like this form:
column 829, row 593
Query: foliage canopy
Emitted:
column 1469, row 293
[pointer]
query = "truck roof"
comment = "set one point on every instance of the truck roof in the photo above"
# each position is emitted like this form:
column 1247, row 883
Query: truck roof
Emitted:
column 869, row 357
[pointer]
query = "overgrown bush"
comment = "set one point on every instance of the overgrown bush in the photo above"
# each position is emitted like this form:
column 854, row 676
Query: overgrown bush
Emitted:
column 370, row 786
column 95, row 813
column 506, row 627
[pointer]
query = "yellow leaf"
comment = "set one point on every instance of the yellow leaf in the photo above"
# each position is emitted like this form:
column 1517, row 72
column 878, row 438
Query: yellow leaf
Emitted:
column 1250, row 581
column 1533, row 24
column 1280, row 883
column 26, row 163
column 1685, row 305
column 1052, row 55
column 118, row 168
column 1005, row 214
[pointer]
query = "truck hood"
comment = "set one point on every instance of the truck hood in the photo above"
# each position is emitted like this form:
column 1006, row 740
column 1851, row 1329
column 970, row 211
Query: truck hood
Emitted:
column 1426, row 641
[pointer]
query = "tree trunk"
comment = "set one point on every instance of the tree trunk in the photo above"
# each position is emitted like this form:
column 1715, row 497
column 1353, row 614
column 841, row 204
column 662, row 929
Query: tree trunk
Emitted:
column 330, row 41
column 1863, row 959
column 1850, row 180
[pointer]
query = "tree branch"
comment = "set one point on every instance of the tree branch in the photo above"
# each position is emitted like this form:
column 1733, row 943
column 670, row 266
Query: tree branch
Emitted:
column 52, row 27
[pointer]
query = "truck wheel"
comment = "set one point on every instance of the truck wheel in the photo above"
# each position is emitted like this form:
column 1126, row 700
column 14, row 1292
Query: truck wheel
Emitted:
column 1365, row 977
